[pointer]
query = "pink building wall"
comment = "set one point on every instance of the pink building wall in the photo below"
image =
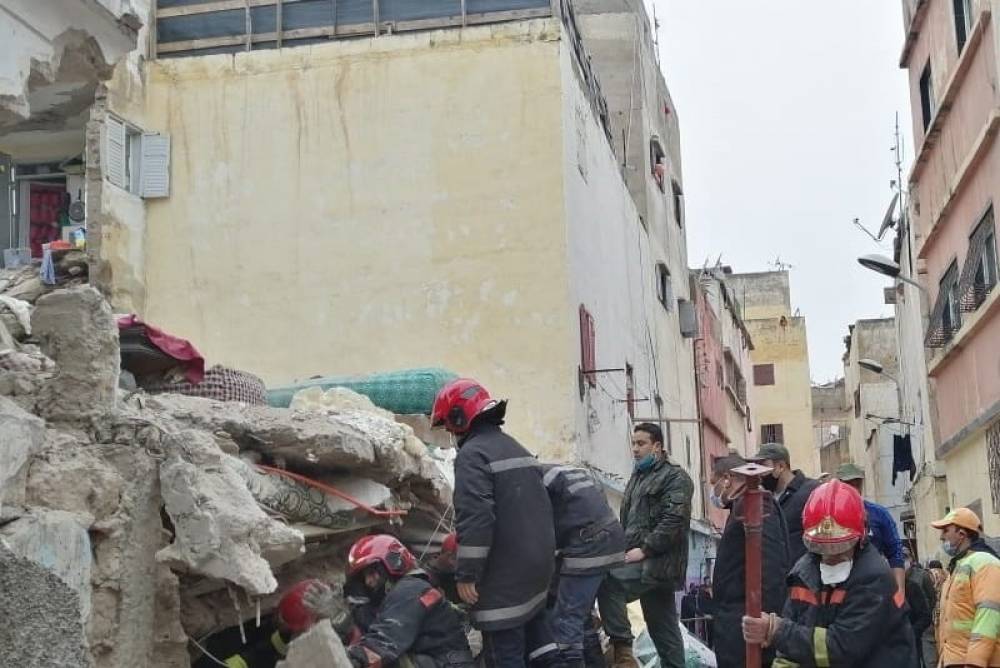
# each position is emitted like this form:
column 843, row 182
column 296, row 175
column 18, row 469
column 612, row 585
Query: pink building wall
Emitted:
column 710, row 365
column 968, row 383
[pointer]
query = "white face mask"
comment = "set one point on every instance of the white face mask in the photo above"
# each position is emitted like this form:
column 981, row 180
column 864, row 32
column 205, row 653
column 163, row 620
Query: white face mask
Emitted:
column 836, row 573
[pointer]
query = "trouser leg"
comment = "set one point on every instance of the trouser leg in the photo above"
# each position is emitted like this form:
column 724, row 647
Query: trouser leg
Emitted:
column 660, row 613
column 574, row 603
column 504, row 649
column 612, row 599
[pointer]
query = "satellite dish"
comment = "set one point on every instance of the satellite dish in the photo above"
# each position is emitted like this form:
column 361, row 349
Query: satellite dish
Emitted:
column 887, row 220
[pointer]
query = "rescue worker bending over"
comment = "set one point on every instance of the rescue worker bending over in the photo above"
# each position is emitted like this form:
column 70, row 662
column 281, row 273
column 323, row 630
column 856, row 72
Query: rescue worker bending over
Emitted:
column 844, row 609
column 413, row 623
column 591, row 541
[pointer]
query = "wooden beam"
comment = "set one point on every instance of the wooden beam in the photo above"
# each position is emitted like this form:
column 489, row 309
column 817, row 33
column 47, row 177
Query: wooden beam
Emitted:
column 217, row 6
column 279, row 21
column 248, row 25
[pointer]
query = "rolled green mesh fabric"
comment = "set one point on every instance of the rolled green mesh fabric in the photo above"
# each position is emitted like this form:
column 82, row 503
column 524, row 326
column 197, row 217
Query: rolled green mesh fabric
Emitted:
column 410, row 391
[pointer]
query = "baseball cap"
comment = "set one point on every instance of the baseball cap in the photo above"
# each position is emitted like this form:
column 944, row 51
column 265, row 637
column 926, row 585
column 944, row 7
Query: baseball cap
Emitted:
column 850, row 471
column 773, row 452
column 960, row 517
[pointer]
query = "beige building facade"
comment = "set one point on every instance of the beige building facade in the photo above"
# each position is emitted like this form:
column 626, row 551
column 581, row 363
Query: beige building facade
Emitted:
column 780, row 386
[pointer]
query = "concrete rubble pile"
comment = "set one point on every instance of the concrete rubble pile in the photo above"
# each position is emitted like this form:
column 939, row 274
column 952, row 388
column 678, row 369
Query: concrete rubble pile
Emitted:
column 131, row 524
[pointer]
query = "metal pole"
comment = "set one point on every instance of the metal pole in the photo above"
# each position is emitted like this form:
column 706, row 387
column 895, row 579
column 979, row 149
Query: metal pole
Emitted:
column 753, row 520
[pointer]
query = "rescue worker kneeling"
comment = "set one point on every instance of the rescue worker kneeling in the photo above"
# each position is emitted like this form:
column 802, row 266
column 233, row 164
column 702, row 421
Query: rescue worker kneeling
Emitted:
column 412, row 624
column 844, row 608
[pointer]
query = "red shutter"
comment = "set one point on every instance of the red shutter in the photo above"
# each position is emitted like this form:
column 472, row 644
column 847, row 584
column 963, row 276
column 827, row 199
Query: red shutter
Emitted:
column 588, row 353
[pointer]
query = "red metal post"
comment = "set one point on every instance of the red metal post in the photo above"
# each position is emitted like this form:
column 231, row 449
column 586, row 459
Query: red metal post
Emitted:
column 753, row 516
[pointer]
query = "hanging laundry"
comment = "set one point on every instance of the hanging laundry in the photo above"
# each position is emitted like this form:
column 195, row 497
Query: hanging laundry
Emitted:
column 902, row 457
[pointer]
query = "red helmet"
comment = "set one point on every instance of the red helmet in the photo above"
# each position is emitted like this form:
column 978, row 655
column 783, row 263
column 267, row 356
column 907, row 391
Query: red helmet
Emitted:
column 384, row 549
column 457, row 403
column 833, row 520
column 296, row 616
column 450, row 543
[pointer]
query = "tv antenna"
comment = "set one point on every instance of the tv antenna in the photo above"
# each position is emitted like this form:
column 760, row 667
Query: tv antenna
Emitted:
column 889, row 220
column 779, row 265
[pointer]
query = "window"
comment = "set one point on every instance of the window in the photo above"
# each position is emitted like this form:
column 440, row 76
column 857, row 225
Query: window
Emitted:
column 588, row 353
column 136, row 161
column 678, row 196
column 763, row 374
column 927, row 96
column 963, row 21
column 664, row 286
column 952, row 314
column 772, row 433
column 985, row 241
column 658, row 162
column 630, row 390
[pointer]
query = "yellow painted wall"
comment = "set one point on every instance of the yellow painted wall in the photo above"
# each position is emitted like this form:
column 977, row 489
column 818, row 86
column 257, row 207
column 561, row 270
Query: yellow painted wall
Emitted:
column 968, row 480
column 371, row 205
column 789, row 400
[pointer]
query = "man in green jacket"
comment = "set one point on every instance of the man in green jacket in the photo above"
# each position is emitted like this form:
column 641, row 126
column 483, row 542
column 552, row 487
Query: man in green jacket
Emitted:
column 656, row 515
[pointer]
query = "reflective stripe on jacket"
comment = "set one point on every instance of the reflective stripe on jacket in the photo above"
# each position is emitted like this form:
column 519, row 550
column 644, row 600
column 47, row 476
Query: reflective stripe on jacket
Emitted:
column 970, row 611
column 589, row 537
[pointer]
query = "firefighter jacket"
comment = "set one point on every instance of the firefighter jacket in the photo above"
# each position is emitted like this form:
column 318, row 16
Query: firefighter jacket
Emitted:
column 656, row 515
column 588, row 535
column 862, row 622
column 265, row 645
column 970, row 609
column 729, row 581
column 506, row 540
column 414, row 619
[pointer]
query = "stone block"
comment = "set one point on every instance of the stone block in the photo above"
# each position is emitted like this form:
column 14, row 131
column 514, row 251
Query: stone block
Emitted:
column 319, row 646
column 21, row 436
column 78, row 332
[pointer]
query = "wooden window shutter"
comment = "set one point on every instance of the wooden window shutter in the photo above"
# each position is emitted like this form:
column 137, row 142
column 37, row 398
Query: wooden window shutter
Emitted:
column 588, row 353
column 763, row 374
column 114, row 151
column 154, row 170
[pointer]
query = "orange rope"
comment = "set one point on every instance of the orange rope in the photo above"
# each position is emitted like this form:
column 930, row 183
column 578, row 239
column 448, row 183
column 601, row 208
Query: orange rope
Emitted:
column 332, row 490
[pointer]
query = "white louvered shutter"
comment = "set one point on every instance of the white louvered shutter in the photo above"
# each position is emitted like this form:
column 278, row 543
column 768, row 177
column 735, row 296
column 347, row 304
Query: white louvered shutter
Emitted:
column 154, row 171
column 114, row 151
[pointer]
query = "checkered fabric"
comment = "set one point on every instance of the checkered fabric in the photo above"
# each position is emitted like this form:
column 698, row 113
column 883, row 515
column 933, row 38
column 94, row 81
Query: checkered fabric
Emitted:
column 220, row 383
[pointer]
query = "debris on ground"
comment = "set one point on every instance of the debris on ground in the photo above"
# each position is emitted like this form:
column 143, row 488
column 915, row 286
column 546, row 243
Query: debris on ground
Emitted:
column 134, row 523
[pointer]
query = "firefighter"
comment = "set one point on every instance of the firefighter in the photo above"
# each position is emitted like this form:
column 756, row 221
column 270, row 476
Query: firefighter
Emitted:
column 591, row 541
column 411, row 618
column 843, row 608
column 262, row 646
column 506, row 540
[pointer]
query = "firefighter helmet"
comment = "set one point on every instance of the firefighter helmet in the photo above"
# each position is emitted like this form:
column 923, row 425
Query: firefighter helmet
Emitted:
column 380, row 549
column 458, row 403
column 833, row 520
column 293, row 612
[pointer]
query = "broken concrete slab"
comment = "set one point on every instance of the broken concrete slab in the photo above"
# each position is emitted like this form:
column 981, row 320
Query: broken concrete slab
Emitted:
column 219, row 530
column 78, row 331
column 58, row 541
column 319, row 646
column 21, row 436
column 75, row 479
column 42, row 622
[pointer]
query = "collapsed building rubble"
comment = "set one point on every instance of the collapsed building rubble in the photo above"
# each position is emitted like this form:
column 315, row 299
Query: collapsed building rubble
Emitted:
column 136, row 525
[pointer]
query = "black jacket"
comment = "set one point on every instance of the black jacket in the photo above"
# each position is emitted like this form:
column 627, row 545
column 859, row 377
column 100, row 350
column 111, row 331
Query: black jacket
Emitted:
column 656, row 515
column 415, row 618
column 588, row 535
column 861, row 623
column 729, row 579
column 506, row 540
column 921, row 609
column 793, row 501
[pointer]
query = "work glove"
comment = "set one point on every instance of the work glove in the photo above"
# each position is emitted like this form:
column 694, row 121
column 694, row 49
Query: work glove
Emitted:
column 327, row 603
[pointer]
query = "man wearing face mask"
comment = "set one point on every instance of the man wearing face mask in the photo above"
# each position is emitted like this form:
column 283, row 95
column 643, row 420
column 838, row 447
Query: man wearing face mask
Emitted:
column 843, row 607
column 882, row 530
column 791, row 488
column 728, row 489
column 970, row 598
column 656, row 516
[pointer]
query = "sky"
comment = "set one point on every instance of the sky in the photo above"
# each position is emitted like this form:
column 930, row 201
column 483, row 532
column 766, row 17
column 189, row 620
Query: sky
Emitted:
column 787, row 112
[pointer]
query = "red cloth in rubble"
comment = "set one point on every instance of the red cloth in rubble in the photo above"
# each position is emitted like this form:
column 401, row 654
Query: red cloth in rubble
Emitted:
column 180, row 349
